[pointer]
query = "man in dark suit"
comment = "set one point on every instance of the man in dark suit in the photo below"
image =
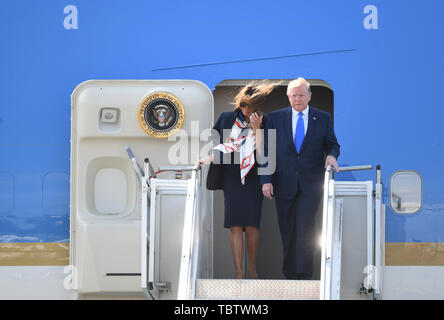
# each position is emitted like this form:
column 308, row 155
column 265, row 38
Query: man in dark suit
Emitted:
column 305, row 145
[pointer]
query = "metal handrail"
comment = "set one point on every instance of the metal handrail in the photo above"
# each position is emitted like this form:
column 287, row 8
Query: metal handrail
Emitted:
column 356, row 168
column 149, row 169
column 328, row 219
column 177, row 168
column 379, row 234
column 136, row 166
column 190, row 251
column 145, row 233
column 325, row 255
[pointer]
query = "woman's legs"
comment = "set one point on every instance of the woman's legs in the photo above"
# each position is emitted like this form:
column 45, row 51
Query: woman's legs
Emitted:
column 237, row 246
column 252, row 244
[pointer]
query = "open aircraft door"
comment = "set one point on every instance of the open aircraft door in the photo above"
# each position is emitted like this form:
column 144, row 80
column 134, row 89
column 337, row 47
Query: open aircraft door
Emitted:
column 352, row 258
column 135, row 230
column 127, row 219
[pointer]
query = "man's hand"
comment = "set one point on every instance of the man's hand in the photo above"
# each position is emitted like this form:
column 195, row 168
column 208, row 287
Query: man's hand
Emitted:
column 267, row 190
column 331, row 161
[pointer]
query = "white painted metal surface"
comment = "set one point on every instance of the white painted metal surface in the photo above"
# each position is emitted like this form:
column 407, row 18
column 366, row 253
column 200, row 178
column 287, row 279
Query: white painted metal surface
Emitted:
column 106, row 202
column 330, row 283
column 190, row 241
column 145, row 237
column 379, row 237
column 413, row 283
column 357, row 243
column 336, row 251
column 166, row 225
column 325, row 263
column 36, row 283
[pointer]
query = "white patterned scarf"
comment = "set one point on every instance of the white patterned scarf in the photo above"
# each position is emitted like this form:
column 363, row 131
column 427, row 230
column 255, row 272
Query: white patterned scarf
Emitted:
column 241, row 137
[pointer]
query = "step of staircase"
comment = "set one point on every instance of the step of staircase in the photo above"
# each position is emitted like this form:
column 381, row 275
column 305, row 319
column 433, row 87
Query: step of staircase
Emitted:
column 232, row 289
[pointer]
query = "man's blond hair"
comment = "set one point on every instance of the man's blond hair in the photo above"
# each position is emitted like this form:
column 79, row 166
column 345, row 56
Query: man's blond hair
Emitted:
column 298, row 83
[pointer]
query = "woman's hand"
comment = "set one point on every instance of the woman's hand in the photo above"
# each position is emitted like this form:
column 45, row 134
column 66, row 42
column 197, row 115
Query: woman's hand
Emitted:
column 204, row 161
column 256, row 120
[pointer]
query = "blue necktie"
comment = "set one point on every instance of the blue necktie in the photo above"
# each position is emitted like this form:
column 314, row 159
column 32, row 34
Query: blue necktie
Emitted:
column 299, row 132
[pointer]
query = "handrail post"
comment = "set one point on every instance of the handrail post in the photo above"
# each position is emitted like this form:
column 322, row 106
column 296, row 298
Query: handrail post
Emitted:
column 329, row 225
column 149, row 171
column 379, row 236
column 136, row 166
column 325, row 292
column 187, row 273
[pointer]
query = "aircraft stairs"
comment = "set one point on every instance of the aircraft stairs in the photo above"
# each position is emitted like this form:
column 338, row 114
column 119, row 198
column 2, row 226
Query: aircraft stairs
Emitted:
column 246, row 289
column 136, row 231
column 177, row 261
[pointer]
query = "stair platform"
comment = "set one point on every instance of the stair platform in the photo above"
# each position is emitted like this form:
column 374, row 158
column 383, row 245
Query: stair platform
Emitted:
column 233, row 289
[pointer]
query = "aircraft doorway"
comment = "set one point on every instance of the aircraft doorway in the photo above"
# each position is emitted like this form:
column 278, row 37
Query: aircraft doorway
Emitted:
column 269, row 257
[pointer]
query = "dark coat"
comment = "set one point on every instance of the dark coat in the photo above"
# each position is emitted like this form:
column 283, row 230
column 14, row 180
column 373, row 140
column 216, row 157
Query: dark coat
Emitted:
column 306, row 167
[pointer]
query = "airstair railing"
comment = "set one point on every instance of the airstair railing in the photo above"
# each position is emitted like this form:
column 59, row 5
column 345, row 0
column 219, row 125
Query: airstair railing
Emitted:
column 190, row 241
column 145, row 234
column 154, row 288
column 332, row 235
column 379, row 235
column 142, row 176
column 326, row 240
column 356, row 168
column 136, row 166
column 147, row 178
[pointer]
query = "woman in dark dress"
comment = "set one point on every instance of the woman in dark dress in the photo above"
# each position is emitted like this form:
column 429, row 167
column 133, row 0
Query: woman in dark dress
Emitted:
column 242, row 190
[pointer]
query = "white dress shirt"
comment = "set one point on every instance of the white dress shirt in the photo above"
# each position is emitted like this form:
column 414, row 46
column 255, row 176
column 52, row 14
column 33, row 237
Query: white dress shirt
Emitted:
column 295, row 117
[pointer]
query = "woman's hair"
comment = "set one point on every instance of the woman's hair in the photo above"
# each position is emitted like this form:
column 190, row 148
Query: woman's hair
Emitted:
column 253, row 95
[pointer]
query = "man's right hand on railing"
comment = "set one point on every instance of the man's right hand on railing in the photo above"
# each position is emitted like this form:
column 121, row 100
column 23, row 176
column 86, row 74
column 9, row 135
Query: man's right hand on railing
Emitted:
column 331, row 161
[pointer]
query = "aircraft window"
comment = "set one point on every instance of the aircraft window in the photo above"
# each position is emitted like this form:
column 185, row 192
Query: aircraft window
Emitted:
column 405, row 192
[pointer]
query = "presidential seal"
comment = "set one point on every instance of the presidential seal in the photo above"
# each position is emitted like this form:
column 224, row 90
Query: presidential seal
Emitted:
column 161, row 114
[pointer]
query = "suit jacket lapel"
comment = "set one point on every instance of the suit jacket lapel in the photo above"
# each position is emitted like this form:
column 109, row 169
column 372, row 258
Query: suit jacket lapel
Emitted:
column 312, row 122
column 287, row 126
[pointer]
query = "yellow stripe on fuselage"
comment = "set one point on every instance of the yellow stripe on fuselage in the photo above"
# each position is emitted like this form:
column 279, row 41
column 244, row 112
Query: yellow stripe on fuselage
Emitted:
column 57, row 254
column 414, row 254
column 34, row 254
